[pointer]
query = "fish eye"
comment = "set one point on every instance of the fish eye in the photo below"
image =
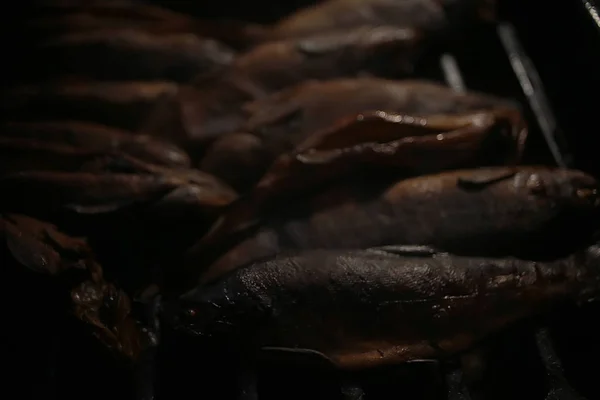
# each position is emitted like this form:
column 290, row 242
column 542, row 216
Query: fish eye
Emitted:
column 189, row 313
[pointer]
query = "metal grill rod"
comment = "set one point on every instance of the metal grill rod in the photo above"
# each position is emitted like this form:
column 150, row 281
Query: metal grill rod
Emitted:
column 592, row 9
column 452, row 73
column 560, row 389
column 532, row 87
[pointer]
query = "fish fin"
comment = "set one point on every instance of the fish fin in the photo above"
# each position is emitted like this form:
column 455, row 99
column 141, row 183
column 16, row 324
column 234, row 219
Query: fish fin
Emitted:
column 407, row 250
column 484, row 178
column 298, row 356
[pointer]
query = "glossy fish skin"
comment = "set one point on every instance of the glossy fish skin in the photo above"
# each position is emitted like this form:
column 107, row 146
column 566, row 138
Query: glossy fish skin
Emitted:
column 211, row 106
column 523, row 212
column 431, row 15
column 311, row 106
column 369, row 308
column 94, row 137
column 119, row 104
column 412, row 145
column 127, row 54
column 287, row 118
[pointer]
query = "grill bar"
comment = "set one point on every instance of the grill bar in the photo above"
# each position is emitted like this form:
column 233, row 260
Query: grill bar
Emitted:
column 528, row 78
column 452, row 73
column 560, row 389
column 593, row 9
column 456, row 387
column 533, row 89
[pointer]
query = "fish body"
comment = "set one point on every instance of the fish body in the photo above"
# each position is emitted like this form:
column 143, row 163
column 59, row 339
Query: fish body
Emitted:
column 522, row 211
column 381, row 51
column 87, row 137
column 211, row 106
column 128, row 54
column 369, row 308
column 346, row 14
column 120, row 104
column 112, row 183
column 287, row 118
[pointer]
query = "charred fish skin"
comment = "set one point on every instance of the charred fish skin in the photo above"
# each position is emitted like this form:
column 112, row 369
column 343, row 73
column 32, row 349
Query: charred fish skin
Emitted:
column 518, row 211
column 367, row 308
column 523, row 201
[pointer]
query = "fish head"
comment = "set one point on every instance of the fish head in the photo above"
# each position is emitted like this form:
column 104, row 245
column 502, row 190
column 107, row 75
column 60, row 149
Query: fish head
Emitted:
column 566, row 186
column 201, row 313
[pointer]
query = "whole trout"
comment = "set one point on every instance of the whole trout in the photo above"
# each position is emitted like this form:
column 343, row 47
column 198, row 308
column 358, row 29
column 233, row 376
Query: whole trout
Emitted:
column 120, row 104
column 369, row 308
column 212, row 105
column 128, row 54
column 282, row 121
column 20, row 137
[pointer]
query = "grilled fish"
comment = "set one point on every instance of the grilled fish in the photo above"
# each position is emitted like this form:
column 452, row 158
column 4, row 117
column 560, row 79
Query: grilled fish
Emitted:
column 117, row 183
column 344, row 14
column 374, row 307
column 17, row 137
column 211, row 105
column 517, row 211
column 119, row 104
column 286, row 119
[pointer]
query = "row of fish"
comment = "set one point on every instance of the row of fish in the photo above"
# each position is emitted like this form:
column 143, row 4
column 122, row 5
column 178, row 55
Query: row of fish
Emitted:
column 286, row 188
